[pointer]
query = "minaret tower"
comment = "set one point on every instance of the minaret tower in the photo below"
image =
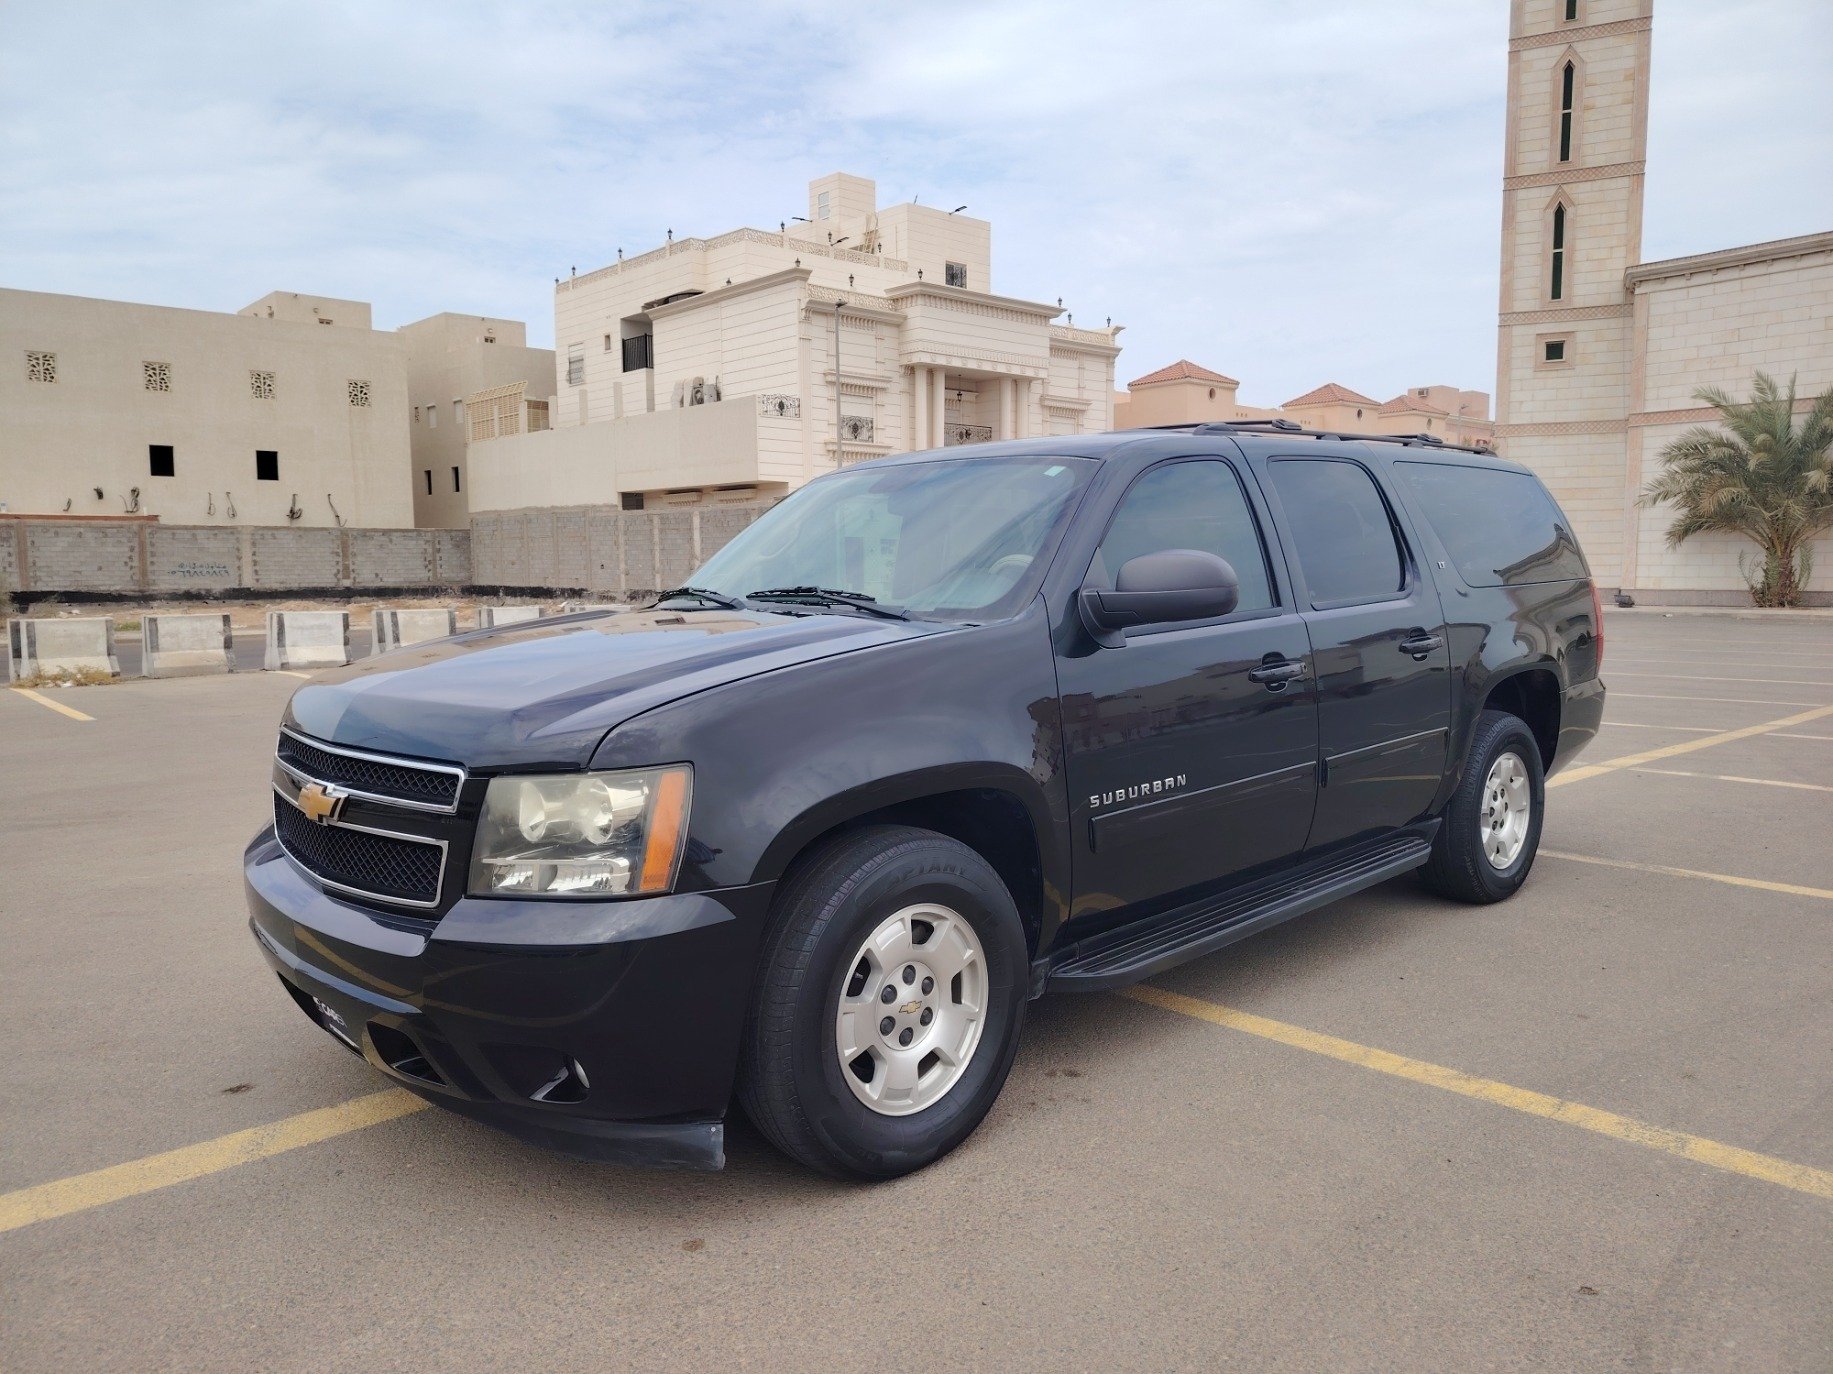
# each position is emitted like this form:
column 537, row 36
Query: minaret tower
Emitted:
column 1578, row 73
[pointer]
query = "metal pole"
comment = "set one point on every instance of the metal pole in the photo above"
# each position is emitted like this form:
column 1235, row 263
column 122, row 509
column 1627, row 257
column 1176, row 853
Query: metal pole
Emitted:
column 838, row 455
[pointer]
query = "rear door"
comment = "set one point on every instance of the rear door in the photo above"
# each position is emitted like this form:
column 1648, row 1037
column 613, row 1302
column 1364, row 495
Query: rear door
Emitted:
column 1192, row 748
column 1378, row 646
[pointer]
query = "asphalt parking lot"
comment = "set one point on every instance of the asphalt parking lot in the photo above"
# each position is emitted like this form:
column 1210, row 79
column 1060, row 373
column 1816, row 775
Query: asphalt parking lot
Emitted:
column 1588, row 1128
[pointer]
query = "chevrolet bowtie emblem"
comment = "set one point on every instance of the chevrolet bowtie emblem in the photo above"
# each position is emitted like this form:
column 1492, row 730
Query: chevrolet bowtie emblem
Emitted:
column 320, row 803
column 911, row 1008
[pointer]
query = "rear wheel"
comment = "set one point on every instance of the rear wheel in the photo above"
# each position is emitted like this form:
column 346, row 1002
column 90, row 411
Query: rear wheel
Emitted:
column 1491, row 827
column 887, row 1015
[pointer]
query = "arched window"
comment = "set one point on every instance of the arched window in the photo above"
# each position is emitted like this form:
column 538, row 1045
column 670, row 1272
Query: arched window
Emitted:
column 1568, row 79
column 1557, row 288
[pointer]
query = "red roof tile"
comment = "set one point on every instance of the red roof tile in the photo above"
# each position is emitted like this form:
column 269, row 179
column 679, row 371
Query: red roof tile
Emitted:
column 1183, row 370
column 1331, row 394
column 1407, row 403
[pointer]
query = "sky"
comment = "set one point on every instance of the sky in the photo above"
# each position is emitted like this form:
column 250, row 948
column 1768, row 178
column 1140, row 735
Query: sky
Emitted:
column 1289, row 193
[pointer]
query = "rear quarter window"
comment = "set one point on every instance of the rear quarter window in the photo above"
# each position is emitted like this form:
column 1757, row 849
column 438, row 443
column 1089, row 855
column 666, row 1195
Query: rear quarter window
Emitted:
column 1500, row 528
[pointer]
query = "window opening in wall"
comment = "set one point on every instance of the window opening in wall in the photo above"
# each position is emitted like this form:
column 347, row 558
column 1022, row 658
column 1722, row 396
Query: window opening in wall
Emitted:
column 158, row 376
column 1557, row 287
column 432, row 417
column 955, row 273
column 1571, row 10
column 416, row 414
column 159, row 460
column 455, row 485
column 575, row 364
column 40, row 367
column 607, row 343
column 823, row 205
column 359, row 393
column 429, row 481
column 261, row 385
column 1556, row 350
column 458, row 412
column 267, row 465
column 630, row 500
column 639, row 352
column 1568, row 77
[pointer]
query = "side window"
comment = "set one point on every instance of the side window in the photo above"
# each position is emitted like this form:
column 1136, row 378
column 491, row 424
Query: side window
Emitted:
column 1340, row 523
column 1190, row 506
column 1500, row 527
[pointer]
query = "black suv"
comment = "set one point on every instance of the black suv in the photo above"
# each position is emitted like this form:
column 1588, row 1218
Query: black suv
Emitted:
column 933, row 735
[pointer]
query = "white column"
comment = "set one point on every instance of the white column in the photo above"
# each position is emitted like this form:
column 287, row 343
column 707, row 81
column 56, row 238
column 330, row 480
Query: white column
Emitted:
column 919, row 408
column 1021, row 408
column 1006, row 430
column 938, row 410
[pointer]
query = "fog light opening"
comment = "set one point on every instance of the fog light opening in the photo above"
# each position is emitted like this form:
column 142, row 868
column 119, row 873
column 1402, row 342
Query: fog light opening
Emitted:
column 402, row 1054
column 570, row 1084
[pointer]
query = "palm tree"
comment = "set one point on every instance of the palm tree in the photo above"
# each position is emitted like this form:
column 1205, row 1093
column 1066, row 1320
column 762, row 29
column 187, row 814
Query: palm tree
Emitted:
column 1764, row 473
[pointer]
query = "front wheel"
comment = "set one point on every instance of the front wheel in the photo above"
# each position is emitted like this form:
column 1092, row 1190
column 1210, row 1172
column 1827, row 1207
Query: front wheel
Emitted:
column 1490, row 832
column 887, row 1014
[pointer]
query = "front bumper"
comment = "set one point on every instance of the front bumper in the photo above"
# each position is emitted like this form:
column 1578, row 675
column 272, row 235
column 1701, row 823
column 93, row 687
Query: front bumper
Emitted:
column 606, row 1030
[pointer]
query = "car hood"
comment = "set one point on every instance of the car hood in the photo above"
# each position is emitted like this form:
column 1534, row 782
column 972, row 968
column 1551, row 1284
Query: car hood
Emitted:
column 544, row 693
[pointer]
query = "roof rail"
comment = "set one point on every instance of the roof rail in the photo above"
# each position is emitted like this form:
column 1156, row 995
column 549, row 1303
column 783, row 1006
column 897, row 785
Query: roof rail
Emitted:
column 1298, row 431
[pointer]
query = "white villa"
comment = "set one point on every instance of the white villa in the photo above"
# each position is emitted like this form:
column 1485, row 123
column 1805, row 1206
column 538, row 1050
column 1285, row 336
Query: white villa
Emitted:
column 733, row 369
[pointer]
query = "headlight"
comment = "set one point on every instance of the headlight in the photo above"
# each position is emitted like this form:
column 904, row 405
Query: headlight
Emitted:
column 582, row 834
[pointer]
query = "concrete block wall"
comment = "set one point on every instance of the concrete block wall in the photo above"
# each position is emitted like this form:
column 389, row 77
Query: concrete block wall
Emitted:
column 600, row 549
column 49, row 556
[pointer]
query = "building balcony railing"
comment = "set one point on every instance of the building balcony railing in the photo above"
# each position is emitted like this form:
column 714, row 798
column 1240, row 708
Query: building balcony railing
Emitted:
column 967, row 434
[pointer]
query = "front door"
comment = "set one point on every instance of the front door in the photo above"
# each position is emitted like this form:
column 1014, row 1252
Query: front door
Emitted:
column 1378, row 644
column 1192, row 748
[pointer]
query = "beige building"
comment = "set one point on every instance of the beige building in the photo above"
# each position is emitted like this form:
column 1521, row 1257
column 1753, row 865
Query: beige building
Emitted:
column 293, row 411
column 458, row 365
column 1599, row 353
column 1185, row 393
column 737, row 367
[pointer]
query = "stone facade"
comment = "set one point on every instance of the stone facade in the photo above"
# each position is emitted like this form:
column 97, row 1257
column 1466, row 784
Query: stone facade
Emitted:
column 861, row 332
column 1599, row 353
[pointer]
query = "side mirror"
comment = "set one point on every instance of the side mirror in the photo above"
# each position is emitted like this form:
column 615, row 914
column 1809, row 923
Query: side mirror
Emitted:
column 1157, row 589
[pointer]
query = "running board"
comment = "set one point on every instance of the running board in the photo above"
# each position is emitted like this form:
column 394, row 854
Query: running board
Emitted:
column 1130, row 953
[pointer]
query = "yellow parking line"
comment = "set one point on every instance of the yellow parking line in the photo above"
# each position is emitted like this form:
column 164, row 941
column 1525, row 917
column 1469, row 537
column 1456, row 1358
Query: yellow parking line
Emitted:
column 1732, row 777
column 56, row 706
column 1668, row 751
column 1801, row 1177
column 1707, row 677
column 1762, row 884
column 1745, row 701
column 64, row 1196
column 288, row 672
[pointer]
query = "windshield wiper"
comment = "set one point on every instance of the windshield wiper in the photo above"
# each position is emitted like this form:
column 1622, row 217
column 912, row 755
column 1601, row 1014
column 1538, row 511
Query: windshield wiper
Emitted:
column 720, row 599
column 827, row 596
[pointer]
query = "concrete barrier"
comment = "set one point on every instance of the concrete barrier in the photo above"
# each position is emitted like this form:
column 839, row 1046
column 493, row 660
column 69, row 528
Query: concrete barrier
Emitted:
column 398, row 629
column 489, row 617
column 65, row 644
column 186, row 645
column 307, row 639
column 575, row 607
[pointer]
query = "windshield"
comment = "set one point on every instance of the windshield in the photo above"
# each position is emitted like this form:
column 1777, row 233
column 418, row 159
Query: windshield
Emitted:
column 962, row 539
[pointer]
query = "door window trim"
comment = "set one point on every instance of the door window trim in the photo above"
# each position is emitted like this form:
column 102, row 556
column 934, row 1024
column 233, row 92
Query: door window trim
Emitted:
column 1284, row 597
column 1409, row 562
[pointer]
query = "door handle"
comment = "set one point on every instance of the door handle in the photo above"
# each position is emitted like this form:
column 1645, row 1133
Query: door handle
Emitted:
column 1275, row 676
column 1419, row 643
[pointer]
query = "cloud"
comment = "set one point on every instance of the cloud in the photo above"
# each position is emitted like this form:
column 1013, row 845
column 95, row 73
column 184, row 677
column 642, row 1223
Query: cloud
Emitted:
column 1291, row 194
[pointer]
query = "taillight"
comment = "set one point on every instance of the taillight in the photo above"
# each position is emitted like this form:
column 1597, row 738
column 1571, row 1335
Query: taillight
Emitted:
column 1597, row 626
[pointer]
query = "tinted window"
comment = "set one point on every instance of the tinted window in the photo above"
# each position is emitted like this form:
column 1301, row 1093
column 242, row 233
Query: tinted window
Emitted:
column 1500, row 528
column 1340, row 523
column 1190, row 506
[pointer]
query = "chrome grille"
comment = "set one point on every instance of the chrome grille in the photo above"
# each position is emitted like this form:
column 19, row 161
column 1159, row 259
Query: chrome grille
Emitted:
column 394, row 868
column 430, row 787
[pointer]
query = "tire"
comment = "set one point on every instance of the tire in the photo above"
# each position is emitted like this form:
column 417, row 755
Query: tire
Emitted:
column 1461, row 866
column 792, row 1081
